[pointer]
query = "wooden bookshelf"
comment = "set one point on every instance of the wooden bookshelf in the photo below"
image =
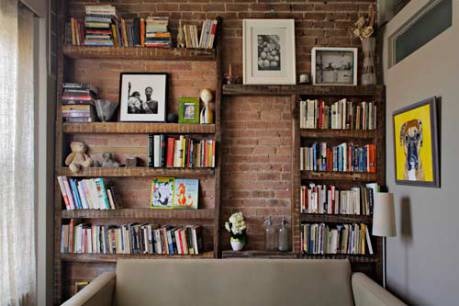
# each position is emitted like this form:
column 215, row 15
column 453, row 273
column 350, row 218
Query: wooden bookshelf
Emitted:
column 112, row 258
column 359, row 259
column 137, row 172
column 133, row 53
column 259, row 254
column 339, row 176
column 328, row 218
column 73, row 64
column 193, row 215
column 137, row 128
column 337, row 134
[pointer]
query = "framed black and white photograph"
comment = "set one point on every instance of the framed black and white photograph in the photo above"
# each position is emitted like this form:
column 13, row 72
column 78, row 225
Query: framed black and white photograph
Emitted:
column 334, row 66
column 143, row 96
column 269, row 51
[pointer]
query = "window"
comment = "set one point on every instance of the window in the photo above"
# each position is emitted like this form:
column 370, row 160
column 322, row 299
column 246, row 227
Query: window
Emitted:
column 425, row 26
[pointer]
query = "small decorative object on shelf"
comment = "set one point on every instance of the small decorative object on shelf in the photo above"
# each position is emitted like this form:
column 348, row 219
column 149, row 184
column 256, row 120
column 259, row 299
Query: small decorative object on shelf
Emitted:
column 237, row 228
column 105, row 109
column 304, row 78
column 189, row 110
column 109, row 161
column 132, row 162
column 364, row 29
column 172, row 118
column 229, row 78
column 180, row 36
column 270, row 235
column 283, row 245
column 78, row 159
column 207, row 112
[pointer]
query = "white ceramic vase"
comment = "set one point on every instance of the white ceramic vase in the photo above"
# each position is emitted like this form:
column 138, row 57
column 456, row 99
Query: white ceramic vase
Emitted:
column 237, row 244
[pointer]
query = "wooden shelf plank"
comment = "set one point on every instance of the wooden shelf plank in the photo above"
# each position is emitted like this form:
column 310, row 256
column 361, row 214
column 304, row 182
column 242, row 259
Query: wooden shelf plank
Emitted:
column 132, row 53
column 339, row 176
column 306, row 90
column 327, row 133
column 141, row 213
column 94, row 258
column 258, row 254
column 137, row 128
column 352, row 258
column 138, row 172
column 326, row 218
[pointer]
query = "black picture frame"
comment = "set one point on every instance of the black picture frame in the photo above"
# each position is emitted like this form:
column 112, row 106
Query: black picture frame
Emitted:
column 434, row 140
column 145, row 109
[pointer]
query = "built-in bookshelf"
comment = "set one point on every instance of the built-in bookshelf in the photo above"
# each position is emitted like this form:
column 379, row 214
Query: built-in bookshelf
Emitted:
column 370, row 264
column 133, row 183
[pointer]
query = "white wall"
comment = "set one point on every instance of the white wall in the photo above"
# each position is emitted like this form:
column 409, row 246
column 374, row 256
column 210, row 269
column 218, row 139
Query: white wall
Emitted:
column 423, row 260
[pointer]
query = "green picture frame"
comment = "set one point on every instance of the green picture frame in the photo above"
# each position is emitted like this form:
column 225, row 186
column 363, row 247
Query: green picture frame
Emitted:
column 188, row 110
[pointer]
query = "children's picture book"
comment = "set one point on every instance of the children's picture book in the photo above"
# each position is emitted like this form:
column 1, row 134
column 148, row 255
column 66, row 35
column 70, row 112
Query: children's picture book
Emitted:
column 186, row 193
column 162, row 192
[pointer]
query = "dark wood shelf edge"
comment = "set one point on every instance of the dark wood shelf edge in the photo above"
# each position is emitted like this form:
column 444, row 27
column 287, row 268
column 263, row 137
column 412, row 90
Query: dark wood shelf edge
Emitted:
column 140, row 213
column 338, row 176
column 137, row 172
column 370, row 259
column 332, row 218
column 137, row 128
column 113, row 258
column 307, row 90
column 258, row 254
column 329, row 133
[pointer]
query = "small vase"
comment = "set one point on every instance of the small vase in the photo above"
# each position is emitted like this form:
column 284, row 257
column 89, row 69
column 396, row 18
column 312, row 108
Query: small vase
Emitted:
column 368, row 70
column 237, row 244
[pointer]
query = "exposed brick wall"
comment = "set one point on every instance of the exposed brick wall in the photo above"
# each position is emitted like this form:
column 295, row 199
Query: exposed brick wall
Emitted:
column 257, row 130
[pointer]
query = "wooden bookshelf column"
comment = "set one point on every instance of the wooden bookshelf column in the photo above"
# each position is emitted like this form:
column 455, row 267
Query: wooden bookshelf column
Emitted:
column 73, row 63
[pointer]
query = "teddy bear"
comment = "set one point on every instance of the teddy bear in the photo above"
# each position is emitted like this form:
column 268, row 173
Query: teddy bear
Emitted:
column 78, row 159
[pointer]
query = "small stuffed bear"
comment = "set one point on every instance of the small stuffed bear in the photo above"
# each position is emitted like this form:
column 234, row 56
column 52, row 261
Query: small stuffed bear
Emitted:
column 78, row 159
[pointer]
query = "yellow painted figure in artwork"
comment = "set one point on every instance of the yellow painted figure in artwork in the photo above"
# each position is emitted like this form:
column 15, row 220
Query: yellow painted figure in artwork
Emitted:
column 413, row 145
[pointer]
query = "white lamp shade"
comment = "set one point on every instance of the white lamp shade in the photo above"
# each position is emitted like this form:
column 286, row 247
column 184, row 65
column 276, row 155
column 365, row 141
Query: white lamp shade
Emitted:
column 384, row 215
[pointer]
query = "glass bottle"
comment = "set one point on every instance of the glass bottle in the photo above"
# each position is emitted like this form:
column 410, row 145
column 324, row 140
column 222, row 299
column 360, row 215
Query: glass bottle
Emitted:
column 270, row 235
column 283, row 236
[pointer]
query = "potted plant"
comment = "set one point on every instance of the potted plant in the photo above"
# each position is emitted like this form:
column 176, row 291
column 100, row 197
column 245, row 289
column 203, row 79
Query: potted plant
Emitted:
column 237, row 228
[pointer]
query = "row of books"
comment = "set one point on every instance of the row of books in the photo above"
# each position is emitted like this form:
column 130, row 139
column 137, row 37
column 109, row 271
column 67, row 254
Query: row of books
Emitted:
column 343, row 114
column 78, row 102
column 320, row 239
column 207, row 38
column 131, row 239
column 156, row 32
column 327, row 199
column 100, row 25
column 345, row 157
column 180, row 152
column 86, row 193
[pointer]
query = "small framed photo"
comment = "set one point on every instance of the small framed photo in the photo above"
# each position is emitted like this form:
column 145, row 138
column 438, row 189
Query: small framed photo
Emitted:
column 416, row 144
column 143, row 96
column 269, row 51
column 334, row 66
column 188, row 110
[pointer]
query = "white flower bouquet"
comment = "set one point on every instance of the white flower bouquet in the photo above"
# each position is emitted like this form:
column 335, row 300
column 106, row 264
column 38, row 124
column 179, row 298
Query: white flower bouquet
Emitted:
column 236, row 226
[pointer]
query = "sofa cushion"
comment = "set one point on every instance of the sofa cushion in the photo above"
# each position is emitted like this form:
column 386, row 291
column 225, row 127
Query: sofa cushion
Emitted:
column 241, row 282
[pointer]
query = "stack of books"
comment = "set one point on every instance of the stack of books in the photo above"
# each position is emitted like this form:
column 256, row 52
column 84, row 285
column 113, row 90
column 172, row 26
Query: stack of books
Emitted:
column 156, row 32
column 180, row 152
column 207, row 38
column 327, row 199
column 342, row 115
column 100, row 25
column 352, row 239
column 78, row 102
column 86, row 194
column 345, row 157
column 131, row 239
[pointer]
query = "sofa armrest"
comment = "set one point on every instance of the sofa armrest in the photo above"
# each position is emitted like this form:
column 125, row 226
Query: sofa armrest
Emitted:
column 367, row 292
column 98, row 292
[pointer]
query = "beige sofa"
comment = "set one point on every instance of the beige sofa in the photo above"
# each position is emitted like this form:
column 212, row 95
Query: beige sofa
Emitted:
column 239, row 282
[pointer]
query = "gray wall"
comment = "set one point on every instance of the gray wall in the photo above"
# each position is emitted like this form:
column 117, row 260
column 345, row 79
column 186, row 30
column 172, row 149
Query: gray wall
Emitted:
column 423, row 259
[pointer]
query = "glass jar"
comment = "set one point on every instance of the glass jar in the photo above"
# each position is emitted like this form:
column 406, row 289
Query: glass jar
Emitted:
column 284, row 241
column 270, row 235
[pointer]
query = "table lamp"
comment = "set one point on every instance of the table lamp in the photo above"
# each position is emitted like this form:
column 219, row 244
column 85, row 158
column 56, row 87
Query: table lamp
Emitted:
column 384, row 222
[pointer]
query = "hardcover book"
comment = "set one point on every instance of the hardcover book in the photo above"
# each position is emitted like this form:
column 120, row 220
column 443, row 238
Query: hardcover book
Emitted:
column 162, row 192
column 186, row 193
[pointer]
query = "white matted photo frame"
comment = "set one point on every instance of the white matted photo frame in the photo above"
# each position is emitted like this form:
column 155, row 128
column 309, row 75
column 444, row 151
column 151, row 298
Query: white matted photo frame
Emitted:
column 269, row 51
column 143, row 96
column 334, row 66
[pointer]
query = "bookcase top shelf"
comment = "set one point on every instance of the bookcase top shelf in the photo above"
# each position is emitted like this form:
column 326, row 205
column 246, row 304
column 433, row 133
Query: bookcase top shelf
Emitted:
column 328, row 133
column 138, row 172
column 114, row 257
column 306, row 90
column 328, row 218
column 339, row 176
column 137, row 128
column 133, row 53
column 141, row 213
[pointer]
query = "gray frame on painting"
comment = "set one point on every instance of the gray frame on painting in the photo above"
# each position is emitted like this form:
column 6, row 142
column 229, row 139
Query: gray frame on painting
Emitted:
column 435, row 143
